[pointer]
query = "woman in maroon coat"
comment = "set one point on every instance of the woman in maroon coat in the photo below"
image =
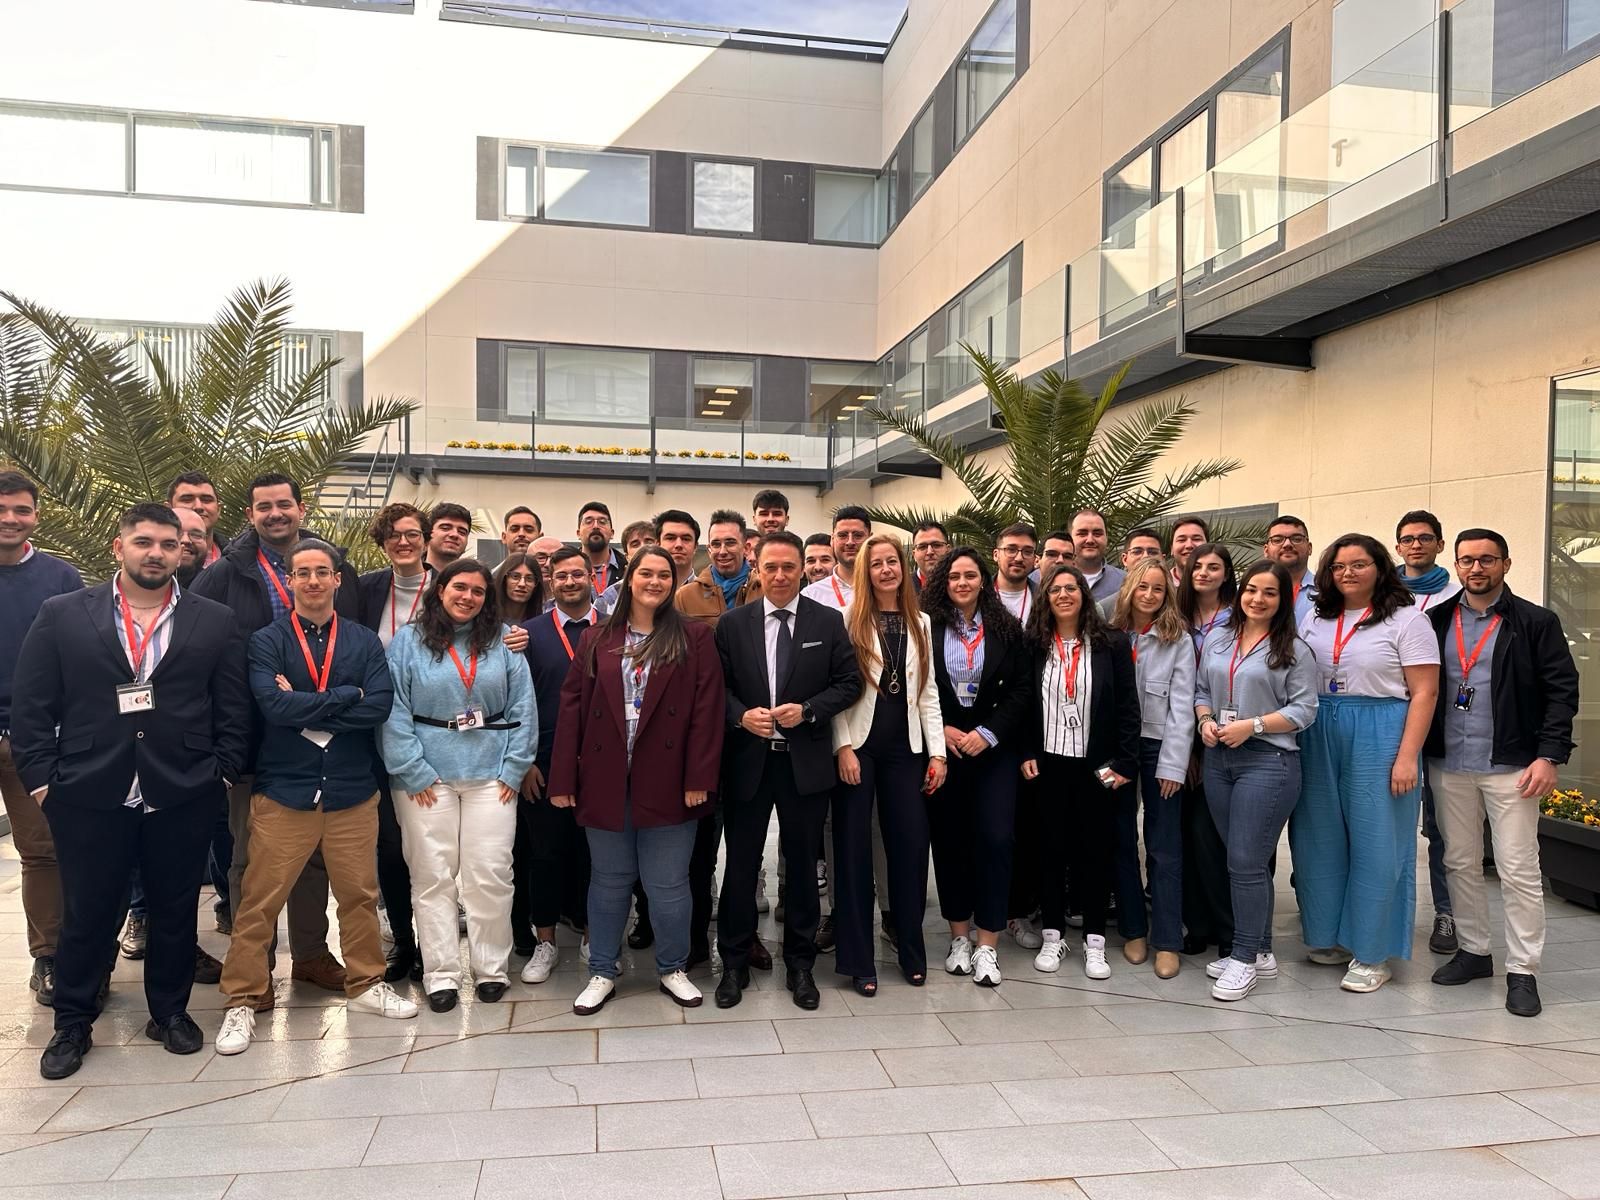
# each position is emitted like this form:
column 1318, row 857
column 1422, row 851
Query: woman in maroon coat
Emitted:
column 647, row 690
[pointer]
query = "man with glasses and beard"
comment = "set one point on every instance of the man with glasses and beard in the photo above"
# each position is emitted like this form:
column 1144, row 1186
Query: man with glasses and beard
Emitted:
column 194, row 545
column 1289, row 545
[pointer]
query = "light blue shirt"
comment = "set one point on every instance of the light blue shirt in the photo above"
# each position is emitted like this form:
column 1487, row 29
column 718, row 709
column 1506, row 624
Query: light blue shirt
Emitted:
column 1256, row 689
column 964, row 679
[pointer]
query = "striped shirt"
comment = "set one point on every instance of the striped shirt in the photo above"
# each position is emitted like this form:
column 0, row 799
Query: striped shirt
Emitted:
column 158, row 637
column 1058, row 737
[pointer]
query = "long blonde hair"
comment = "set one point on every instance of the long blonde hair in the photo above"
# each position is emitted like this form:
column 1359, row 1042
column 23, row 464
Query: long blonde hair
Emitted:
column 862, row 618
column 1169, row 624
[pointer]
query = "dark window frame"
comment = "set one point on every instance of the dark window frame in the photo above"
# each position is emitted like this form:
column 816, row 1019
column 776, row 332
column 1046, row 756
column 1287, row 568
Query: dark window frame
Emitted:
column 754, row 232
column 542, row 149
column 867, row 172
column 502, row 391
column 1019, row 62
column 695, row 420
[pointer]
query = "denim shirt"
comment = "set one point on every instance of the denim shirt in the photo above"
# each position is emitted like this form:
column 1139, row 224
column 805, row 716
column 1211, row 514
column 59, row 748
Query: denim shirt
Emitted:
column 1259, row 690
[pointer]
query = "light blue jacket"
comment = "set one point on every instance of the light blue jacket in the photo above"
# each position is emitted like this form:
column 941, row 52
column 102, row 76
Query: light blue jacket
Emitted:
column 1165, row 672
column 417, row 755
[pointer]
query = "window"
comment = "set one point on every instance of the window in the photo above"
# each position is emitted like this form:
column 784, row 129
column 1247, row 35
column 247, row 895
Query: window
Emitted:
column 1127, row 195
column 986, row 68
column 178, row 349
column 596, row 385
column 1580, row 21
column 837, row 390
column 847, row 206
column 1574, row 570
column 724, row 389
column 63, row 148
column 597, row 187
column 725, row 197
column 522, row 182
column 1245, row 191
column 922, row 153
column 522, row 382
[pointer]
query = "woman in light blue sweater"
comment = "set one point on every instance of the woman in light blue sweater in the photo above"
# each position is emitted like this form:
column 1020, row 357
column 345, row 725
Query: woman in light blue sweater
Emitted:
column 457, row 744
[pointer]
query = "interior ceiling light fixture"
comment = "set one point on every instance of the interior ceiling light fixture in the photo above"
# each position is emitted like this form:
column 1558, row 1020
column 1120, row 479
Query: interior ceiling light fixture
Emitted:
column 727, row 391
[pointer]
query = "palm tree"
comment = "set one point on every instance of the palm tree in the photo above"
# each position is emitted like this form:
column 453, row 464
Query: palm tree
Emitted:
column 1062, row 456
column 100, row 425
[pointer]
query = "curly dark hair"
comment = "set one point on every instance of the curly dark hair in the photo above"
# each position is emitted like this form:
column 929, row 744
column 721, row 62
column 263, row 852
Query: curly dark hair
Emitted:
column 1092, row 627
column 437, row 629
column 997, row 619
column 1389, row 593
column 1281, row 631
column 382, row 527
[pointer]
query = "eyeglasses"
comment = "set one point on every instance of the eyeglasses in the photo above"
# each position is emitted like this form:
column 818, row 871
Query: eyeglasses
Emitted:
column 1288, row 539
column 1062, row 590
column 1418, row 539
column 412, row 536
column 569, row 577
column 1350, row 568
column 1015, row 551
column 1467, row 562
column 921, row 546
column 1142, row 551
column 321, row 574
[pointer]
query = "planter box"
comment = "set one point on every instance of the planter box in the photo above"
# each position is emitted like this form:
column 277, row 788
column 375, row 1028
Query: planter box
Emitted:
column 1569, row 854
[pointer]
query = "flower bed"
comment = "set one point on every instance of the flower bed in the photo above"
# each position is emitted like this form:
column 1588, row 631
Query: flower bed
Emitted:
column 618, row 451
column 1569, row 845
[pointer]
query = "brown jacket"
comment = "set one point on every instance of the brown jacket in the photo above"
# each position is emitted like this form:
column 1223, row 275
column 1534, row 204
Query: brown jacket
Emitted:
column 701, row 599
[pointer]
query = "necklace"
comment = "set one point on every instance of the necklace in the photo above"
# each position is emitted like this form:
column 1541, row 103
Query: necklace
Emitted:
column 894, row 655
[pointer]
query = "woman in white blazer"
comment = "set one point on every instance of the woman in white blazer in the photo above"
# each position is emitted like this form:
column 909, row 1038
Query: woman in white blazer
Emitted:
column 890, row 749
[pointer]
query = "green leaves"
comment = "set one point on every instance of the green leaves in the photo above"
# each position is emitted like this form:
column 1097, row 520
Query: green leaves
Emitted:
column 101, row 425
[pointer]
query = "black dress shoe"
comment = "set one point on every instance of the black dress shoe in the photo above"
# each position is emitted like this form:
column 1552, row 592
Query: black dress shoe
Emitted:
column 1522, row 995
column 804, row 988
column 206, row 968
column 1464, row 968
column 403, row 957
column 490, row 992
column 43, row 980
column 179, row 1034
column 1193, row 944
column 64, row 1055
column 825, row 935
column 443, row 1000
column 642, row 936
column 730, row 989
column 760, row 956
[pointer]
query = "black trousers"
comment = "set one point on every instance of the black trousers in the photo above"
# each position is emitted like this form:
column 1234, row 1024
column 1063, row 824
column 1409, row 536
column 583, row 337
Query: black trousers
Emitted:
column 96, row 852
column 1025, row 857
column 1079, row 824
column 549, row 869
column 892, row 779
column 745, row 823
column 972, row 821
column 394, row 877
column 1207, row 892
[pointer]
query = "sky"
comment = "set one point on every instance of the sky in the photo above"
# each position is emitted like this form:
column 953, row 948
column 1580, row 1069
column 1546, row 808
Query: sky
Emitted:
column 871, row 19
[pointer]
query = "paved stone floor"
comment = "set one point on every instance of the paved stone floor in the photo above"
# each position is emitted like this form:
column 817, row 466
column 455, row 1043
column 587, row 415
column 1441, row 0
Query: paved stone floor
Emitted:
column 1050, row 1086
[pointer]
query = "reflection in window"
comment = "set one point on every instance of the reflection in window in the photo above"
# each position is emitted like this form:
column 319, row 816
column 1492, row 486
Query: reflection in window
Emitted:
column 223, row 160
column 839, row 390
column 1580, row 22
column 63, row 148
column 1575, row 553
column 725, row 197
column 600, row 385
column 847, row 207
column 922, row 153
column 724, row 389
column 1128, row 195
column 987, row 67
column 1245, row 190
column 522, row 181
column 597, row 187
column 522, row 382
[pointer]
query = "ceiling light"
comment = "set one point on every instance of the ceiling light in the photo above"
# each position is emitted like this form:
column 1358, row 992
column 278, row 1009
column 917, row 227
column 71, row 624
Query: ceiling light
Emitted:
column 727, row 391
column 851, row 408
column 713, row 412
column 719, row 403
column 866, row 396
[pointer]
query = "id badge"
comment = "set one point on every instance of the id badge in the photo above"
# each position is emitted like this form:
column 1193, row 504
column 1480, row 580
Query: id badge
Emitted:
column 135, row 698
column 1464, row 696
column 1074, row 720
column 1227, row 716
column 971, row 689
column 1337, row 683
column 469, row 718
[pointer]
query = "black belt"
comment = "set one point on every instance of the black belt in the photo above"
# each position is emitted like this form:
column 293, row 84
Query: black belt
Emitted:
column 781, row 745
column 451, row 723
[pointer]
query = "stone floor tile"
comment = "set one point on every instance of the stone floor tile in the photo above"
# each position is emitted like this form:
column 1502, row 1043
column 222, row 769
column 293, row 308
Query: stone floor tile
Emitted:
column 1053, row 1189
column 682, row 1174
column 595, row 1083
column 1493, row 1025
column 1575, row 1066
column 272, row 1146
column 1573, row 1165
column 207, row 1187
column 1575, row 1107
column 148, row 1063
column 1237, row 1139
column 646, row 1009
column 388, row 1095
column 689, row 1041
column 1270, row 1181
column 1050, row 1152
column 297, row 1060
column 1427, row 1175
column 1148, row 1052
column 1293, row 1085
column 781, row 1074
column 985, row 1063
column 468, row 1017
column 1309, row 1042
column 25, row 1110
column 501, row 1133
column 146, row 1104
column 1156, row 1017
column 1336, row 1004
column 935, row 997
column 853, row 1164
column 436, row 1181
column 505, row 1050
column 1458, row 1073
column 771, row 1006
column 1444, row 1123
column 863, row 1033
column 1101, row 1098
column 1034, row 1025
column 84, row 1158
column 721, row 1122
column 1045, row 991
column 909, row 1110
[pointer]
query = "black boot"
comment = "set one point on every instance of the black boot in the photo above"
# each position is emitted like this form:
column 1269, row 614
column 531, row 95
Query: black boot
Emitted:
column 403, row 960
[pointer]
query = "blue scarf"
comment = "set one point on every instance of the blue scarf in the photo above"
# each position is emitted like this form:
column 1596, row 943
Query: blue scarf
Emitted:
column 1429, row 584
column 730, row 587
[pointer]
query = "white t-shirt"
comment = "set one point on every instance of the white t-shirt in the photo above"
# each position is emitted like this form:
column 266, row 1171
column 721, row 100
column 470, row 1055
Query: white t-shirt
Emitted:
column 1018, row 604
column 1373, row 658
column 832, row 591
column 1424, row 603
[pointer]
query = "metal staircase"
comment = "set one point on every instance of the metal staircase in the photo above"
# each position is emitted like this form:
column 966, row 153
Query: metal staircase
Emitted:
column 359, row 488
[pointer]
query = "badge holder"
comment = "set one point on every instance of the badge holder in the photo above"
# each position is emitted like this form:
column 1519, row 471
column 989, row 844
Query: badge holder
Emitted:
column 1464, row 696
column 135, row 698
column 469, row 718
column 1227, row 716
column 1337, row 683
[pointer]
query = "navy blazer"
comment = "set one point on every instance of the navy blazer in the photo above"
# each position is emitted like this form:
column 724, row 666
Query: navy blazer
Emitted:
column 549, row 663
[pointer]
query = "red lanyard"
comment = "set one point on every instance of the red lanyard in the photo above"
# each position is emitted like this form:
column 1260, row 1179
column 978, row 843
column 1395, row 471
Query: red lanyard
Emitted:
column 137, row 645
column 394, row 612
column 1072, row 672
column 837, row 591
column 1233, row 666
column 1340, row 641
column 320, row 680
column 272, row 574
column 602, row 578
column 970, row 647
column 1139, row 635
column 1468, row 662
column 1022, row 614
column 555, row 619
column 467, row 677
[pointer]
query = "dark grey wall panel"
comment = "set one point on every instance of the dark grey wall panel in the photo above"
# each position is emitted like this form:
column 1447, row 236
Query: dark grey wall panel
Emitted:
column 783, row 389
column 488, row 179
column 488, row 379
column 1024, row 28
column 944, row 121
column 352, row 168
column 669, row 385
column 785, row 201
column 670, row 184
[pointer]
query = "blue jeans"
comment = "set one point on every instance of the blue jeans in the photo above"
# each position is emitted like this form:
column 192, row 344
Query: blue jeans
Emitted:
column 1251, row 792
column 1163, row 843
column 659, row 857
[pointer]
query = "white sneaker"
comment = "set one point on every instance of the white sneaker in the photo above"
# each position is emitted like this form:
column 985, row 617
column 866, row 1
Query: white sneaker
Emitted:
column 1094, row 957
column 985, row 967
column 1365, row 977
column 763, row 905
column 1023, row 933
column 1051, row 950
column 1266, row 966
column 537, row 969
column 677, row 986
column 593, row 998
column 1328, row 956
column 1238, row 980
column 383, row 1001
column 959, row 960
column 238, row 1025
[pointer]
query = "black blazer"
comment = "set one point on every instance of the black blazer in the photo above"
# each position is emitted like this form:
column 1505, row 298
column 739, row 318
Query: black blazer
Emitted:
column 823, row 673
column 1001, row 705
column 373, row 588
column 68, row 671
column 1114, row 720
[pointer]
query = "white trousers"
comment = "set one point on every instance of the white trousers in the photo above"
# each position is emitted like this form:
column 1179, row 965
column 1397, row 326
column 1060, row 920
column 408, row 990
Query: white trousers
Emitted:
column 1461, row 801
column 467, row 834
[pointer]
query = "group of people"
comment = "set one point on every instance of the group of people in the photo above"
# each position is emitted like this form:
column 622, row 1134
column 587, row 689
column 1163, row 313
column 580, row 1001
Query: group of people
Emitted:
column 579, row 733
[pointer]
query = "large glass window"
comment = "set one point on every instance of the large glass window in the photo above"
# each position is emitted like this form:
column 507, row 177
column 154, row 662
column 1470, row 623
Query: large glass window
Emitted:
column 1574, row 589
column 597, row 187
column 922, row 153
column 599, row 385
column 224, row 160
column 724, row 389
column 725, row 197
column 1246, row 192
column 522, row 382
column 838, row 389
column 63, row 148
column 847, row 206
column 522, row 181
column 987, row 67
column 1579, row 22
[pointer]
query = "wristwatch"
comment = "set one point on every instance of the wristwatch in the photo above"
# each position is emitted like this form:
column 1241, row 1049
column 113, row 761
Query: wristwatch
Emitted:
column 1257, row 724
column 807, row 715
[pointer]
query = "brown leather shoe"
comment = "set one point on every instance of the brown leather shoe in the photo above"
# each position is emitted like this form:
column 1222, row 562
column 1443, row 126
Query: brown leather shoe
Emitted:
column 1167, row 964
column 1136, row 950
column 760, row 956
column 325, row 971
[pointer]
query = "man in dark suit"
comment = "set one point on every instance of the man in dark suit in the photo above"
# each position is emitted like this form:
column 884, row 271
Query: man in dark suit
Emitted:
column 137, row 716
column 789, row 667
